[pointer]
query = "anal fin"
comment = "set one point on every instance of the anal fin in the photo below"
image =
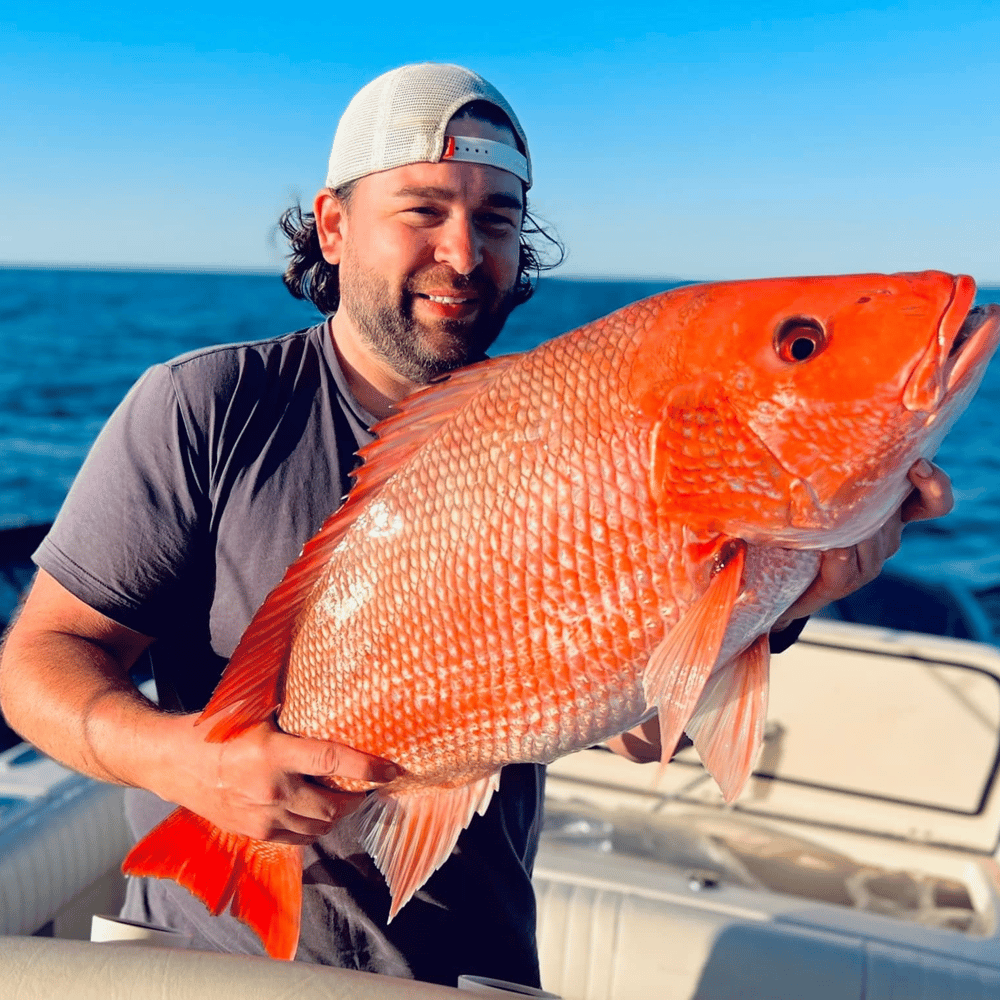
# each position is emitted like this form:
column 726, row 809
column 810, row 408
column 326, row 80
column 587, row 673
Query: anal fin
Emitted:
column 411, row 833
column 727, row 726
column 262, row 880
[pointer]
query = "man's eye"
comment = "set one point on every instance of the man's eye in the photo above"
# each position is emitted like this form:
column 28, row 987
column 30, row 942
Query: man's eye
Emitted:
column 496, row 222
column 425, row 211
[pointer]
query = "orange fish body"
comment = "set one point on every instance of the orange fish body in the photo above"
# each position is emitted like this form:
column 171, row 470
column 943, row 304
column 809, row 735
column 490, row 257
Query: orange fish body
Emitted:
column 545, row 548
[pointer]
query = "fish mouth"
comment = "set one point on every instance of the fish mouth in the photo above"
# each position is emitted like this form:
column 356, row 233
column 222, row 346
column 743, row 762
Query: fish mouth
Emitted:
column 965, row 339
column 978, row 336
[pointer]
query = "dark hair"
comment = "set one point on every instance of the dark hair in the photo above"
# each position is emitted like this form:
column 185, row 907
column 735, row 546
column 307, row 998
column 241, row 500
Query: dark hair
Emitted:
column 309, row 276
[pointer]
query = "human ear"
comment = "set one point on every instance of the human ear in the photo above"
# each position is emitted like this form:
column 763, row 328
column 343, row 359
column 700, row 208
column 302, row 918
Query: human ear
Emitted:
column 331, row 222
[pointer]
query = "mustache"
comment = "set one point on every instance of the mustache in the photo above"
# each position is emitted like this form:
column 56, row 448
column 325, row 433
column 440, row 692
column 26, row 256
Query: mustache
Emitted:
column 446, row 279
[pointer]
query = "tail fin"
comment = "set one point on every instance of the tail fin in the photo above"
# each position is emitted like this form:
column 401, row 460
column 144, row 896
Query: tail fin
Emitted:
column 262, row 880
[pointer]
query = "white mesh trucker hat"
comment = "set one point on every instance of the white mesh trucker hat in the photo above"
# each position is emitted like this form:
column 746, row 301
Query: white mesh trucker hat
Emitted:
column 401, row 117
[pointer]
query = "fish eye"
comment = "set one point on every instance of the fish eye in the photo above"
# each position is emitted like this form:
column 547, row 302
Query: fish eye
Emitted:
column 798, row 339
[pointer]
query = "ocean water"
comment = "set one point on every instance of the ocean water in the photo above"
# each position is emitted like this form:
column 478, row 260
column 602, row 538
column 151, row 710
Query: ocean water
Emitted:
column 73, row 341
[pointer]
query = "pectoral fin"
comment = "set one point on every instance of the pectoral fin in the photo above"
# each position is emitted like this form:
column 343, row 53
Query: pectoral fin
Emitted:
column 727, row 726
column 681, row 664
column 411, row 833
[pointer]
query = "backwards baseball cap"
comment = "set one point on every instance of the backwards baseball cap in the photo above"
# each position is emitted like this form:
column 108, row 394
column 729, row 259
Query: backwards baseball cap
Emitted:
column 401, row 117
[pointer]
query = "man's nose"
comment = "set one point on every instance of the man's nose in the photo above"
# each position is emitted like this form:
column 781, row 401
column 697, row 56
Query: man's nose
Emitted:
column 459, row 246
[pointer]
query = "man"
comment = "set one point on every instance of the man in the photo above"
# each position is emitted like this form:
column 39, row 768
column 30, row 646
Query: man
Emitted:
column 220, row 464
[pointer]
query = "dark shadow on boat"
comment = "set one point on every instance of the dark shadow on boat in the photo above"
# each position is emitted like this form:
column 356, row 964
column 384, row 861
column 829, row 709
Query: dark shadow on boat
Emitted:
column 912, row 604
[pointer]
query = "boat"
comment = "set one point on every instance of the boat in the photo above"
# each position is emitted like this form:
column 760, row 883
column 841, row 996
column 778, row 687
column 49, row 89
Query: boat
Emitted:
column 860, row 861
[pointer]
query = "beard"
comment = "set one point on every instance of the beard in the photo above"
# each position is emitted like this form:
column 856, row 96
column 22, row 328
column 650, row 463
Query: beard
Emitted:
column 420, row 351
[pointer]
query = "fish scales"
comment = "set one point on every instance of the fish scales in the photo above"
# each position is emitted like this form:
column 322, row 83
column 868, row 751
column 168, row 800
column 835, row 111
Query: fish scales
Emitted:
column 545, row 548
column 477, row 675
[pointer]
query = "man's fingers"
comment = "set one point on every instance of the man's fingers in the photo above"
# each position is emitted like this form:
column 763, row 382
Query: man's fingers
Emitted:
column 320, row 758
column 319, row 815
column 841, row 572
column 870, row 555
column 307, row 813
column 264, row 785
column 314, row 811
column 932, row 495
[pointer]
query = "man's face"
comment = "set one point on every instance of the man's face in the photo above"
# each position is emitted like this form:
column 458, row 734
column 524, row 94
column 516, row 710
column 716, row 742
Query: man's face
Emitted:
column 429, row 259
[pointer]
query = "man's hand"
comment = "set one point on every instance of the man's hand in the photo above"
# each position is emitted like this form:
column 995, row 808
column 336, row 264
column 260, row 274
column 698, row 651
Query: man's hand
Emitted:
column 65, row 686
column 260, row 782
column 843, row 571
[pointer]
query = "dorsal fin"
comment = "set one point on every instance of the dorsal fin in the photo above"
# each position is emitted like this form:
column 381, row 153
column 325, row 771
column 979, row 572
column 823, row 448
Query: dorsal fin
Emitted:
column 412, row 423
column 250, row 689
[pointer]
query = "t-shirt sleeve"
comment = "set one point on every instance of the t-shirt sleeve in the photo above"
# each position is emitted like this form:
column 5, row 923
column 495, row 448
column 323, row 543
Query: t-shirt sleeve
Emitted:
column 787, row 637
column 131, row 529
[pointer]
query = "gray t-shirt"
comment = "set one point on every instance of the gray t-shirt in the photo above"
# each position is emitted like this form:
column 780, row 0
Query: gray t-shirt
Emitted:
column 204, row 485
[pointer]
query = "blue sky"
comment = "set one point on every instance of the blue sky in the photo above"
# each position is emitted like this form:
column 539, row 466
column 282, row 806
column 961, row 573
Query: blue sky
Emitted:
column 696, row 141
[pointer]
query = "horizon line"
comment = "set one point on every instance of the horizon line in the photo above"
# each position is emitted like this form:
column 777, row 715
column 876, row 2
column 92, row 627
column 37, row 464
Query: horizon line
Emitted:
column 235, row 269
column 264, row 272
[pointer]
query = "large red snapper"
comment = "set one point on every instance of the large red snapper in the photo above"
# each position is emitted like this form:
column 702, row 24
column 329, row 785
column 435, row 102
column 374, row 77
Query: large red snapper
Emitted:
column 544, row 548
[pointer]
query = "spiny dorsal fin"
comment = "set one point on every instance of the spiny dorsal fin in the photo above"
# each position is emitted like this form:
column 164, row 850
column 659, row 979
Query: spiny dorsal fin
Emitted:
column 413, row 422
column 727, row 725
column 411, row 833
column 250, row 689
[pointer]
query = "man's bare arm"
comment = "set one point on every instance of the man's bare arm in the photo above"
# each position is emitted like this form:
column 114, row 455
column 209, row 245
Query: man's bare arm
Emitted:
column 65, row 687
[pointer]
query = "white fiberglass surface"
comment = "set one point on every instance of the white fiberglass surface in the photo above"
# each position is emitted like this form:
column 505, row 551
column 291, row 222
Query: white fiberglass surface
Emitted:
column 883, row 726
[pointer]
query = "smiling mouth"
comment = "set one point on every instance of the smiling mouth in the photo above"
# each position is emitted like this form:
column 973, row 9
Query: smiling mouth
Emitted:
column 448, row 300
